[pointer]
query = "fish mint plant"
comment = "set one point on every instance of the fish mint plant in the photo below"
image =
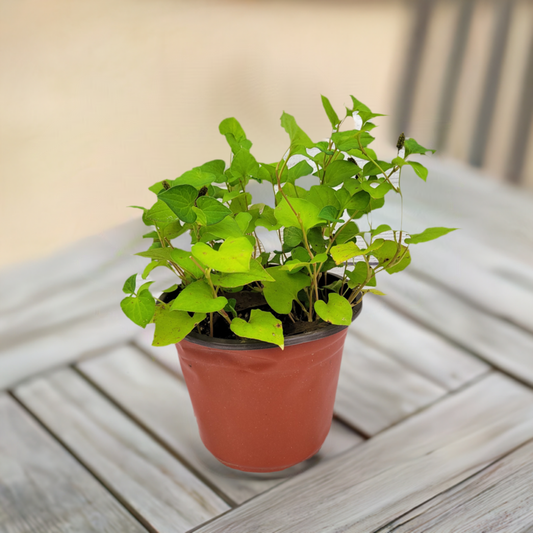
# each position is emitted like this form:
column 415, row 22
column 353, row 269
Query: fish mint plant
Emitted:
column 227, row 285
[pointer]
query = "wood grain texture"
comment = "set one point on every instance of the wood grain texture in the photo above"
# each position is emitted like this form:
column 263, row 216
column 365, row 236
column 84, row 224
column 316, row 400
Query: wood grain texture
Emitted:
column 496, row 499
column 376, row 391
column 161, row 403
column 366, row 488
column 502, row 344
column 64, row 345
column 152, row 482
column 44, row 490
column 415, row 346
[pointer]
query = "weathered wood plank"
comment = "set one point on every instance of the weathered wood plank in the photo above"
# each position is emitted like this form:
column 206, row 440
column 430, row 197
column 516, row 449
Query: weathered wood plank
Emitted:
column 501, row 343
column 166, row 355
column 366, row 488
column 152, row 482
column 415, row 346
column 44, row 490
column 161, row 403
column 375, row 391
column 498, row 498
column 62, row 345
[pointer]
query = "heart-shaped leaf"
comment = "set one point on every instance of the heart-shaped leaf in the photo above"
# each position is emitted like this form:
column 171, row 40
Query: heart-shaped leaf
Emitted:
column 337, row 311
column 256, row 273
column 233, row 255
column 307, row 211
column 428, row 235
column 173, row 326
column 129, row 284
column 213, row 210
column 262, row 326
column 281, row 293
column 139, row 309
column 181, row 199
column 197, row 297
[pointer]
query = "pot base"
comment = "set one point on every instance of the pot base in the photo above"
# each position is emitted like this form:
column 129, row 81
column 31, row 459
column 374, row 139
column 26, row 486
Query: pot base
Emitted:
column 259, row 470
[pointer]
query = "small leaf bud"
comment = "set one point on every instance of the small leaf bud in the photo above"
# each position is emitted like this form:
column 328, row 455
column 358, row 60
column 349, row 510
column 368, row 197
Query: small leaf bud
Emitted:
column 401, row 141
column 166, row 185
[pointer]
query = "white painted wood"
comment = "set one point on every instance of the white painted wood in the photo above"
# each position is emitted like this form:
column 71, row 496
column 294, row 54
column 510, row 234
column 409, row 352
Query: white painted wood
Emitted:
column 496, row 499
column 63, row 345
column 44, row 490
column 152, row 482
column 375, row 391
column 366, row 488
column 484, row 276
column 500, row 343
column 166, row 355
column 413, row 345
column 162, row 404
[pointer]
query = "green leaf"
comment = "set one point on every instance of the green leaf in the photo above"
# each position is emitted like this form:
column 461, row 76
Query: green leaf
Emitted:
column 292, row 237
column 398, row 266
column 129, row 285
column 243, row 220
column 358, row 203
column 262, row 326
column 412, row 147
column 256, row 273
column 421, row 170
column 173, row 326
column 337, row 311
column 243, row 165
column 160, row 214
column 201, row 219
column 375, row 291
column 383, row 187
column 346, row 232
column 233, row 255
column 372, row 168
column 298, row 137
column 172, row 288
column 234, row 134
column 268, row 219
column 301, row 169
column 348, row 140
column 343, row 252
column 428, row 235
column 183, row 259
column 380, row 229
column 359, row 274
column 307, row 211
column 339, row 171
column 198, row 297
column 230, row 307
column 388, row 251
column 215, row 167
column 322, row 196
column 281, row 293
column 151, row 265
column 139, row 309
column 213, row 210
column 144, row 287
column 224, row 229
column 196, row 178
column 330, row 112
column 161, row 254
column 181, row 199
column 330, row 213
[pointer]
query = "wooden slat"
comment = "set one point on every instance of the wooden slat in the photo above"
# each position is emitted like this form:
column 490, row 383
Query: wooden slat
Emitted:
column 415, row 346
column 368, row 487
column 166, row 355
column 501, row 343
column 44, row 490
column 375, row 391
column 64, row 345
column 130, row 463
column 499, row 498
column 161, row 403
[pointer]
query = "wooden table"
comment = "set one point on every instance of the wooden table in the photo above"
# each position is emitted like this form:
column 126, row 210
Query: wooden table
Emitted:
column 433, row 427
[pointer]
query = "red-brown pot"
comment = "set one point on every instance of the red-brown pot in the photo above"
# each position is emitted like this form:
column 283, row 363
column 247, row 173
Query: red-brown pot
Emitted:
column 260, row 408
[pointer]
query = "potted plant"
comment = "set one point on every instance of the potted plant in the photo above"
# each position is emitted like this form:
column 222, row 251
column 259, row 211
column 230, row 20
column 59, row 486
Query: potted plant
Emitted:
column 260, row 333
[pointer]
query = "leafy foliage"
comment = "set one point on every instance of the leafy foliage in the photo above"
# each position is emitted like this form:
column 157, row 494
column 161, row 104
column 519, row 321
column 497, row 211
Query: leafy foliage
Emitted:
column 316, row 228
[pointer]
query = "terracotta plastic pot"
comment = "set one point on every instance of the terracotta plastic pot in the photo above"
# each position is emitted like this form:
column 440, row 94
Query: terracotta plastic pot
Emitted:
column 258, row 408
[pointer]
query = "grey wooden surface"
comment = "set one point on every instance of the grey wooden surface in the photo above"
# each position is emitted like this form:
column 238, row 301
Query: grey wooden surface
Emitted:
column 433, row 426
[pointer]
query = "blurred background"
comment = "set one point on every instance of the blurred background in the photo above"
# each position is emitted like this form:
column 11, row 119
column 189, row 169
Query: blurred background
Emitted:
column 99, row 99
